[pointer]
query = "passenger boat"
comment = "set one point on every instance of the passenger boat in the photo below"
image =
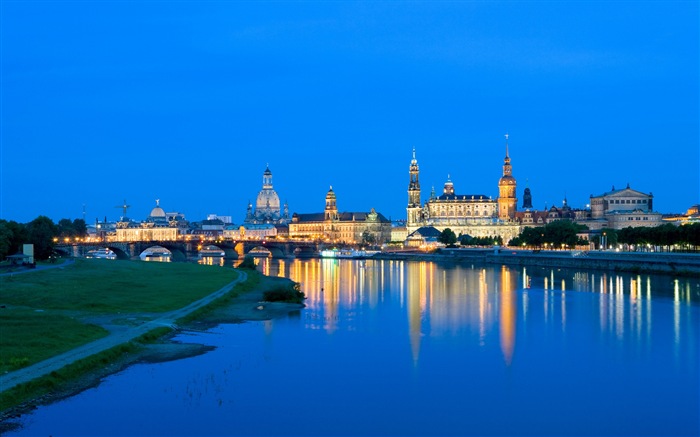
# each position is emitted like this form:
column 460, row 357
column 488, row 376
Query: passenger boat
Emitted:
column 101, row 254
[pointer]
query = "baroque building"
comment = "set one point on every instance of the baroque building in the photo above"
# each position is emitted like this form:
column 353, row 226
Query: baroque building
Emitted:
column 476, row 215
column 267, row 205
column 341, row 227
column 158, row 226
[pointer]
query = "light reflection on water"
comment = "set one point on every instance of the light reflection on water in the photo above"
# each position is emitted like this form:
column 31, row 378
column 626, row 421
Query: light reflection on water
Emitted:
column 419, row 348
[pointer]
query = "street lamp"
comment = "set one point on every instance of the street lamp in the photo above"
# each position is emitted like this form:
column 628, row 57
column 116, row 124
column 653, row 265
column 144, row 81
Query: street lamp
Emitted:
column 604, row 241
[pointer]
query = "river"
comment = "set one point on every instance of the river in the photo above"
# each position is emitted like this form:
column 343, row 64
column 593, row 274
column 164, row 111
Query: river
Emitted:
column 423, row 348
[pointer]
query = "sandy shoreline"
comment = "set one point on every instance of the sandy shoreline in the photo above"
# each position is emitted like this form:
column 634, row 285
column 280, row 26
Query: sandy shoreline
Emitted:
column 245, row 307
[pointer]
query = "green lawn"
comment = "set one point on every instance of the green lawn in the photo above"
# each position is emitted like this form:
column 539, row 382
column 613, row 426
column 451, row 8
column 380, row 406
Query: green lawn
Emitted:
column 106, row 286
column 41, row 310
column 28, row 336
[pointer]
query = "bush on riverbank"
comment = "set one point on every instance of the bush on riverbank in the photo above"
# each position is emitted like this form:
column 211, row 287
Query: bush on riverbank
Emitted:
column 247, row 263
column 290, row 293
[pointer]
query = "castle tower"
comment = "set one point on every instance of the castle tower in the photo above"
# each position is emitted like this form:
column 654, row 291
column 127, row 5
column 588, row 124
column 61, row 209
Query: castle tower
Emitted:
column 331, row 208
column 449, row 188
column 507, row 202
column 413, row 209
column 527, row 198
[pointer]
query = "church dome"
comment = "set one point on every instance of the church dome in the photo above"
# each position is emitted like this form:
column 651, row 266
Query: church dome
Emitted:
column 267, row 199
column 157, row 212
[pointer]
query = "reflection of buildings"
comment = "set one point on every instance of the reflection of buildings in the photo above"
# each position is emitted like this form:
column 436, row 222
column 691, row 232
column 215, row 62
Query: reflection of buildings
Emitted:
column 158, row 226
column 476, row 215
column 267, row 205
column 508, row 311
column 342, row 227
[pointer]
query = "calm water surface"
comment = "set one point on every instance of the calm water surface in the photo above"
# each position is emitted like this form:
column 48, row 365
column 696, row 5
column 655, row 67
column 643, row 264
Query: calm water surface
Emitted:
column 419, row 348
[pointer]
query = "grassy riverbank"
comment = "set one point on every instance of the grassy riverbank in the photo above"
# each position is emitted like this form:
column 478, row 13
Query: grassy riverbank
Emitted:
column 45, row 312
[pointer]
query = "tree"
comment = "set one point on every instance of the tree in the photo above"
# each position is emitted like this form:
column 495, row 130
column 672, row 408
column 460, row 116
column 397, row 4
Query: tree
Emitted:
column 533, row 237
column 447, row 237
column 80, row 228
column 65, row 228
column 15, row 234
column 5, row 240
column 40, row 232
column 368, row 238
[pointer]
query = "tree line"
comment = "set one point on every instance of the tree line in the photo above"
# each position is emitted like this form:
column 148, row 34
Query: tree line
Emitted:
column 40, row 232
column 449, row 238
column 686, row 237
column 557, row 235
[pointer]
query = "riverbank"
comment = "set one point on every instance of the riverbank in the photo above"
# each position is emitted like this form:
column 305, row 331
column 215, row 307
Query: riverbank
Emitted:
column 134, row 338
column 633, row 262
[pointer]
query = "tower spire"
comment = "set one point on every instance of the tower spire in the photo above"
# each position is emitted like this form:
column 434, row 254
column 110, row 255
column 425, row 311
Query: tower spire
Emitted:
column 507, row 157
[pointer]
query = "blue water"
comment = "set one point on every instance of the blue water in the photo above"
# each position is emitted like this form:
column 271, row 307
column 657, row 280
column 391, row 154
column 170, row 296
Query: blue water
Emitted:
column 399, row 348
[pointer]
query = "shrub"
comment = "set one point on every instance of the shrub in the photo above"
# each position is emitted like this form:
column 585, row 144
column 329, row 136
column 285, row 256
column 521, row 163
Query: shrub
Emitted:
column 247, row 263
column 290, row 293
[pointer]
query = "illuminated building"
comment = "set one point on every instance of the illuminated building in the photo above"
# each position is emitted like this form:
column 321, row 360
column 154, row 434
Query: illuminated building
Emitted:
column 692, row 215
column 158, row 226
column 250, row 231
column 619, row 209
column 476, row 215
column 341, row 227
column 533, row 218
column 267, row 205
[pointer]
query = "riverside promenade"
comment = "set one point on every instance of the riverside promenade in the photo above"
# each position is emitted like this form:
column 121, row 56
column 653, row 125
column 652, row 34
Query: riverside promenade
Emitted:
column 43, row 368
column 635, row 262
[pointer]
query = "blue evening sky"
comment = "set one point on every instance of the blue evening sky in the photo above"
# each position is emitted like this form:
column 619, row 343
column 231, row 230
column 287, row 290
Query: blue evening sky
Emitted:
column 188, row 101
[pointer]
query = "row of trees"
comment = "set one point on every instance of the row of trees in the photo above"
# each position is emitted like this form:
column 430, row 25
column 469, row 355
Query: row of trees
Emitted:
column 665, row 236
column 40, row 232
column 449, row 238
column 557, row 234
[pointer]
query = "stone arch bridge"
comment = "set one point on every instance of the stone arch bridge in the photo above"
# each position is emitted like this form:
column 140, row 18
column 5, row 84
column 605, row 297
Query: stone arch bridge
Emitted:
column 184, row 250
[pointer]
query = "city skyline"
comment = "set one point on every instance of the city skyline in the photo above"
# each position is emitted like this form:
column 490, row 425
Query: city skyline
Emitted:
column 187, row 103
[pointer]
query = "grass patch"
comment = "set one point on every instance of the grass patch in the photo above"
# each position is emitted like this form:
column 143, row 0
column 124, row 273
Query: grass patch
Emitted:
column 250, row 284
column 101, row 286
column 28, row 336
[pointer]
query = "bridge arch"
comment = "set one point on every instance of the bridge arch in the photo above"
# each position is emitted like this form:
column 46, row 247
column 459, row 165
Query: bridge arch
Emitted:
column 260, row 252
column 177, row 251
column 156, row 253
column 119, row 252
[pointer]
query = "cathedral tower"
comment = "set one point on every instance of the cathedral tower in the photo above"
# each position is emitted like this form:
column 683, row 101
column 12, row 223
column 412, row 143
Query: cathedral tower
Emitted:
column 413, row 208
column 507, row 202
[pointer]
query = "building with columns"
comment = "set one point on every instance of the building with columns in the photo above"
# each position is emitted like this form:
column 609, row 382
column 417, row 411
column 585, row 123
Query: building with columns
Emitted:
column 622, row 208
column 476, row 215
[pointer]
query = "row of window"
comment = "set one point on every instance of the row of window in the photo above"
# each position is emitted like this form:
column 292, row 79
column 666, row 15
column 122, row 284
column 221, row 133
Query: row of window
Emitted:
column 627, row 201
column 469, row 214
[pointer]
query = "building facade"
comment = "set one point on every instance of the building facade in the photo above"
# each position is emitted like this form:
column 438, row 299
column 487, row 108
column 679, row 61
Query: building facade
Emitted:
column 341, row 227
column 158, row 226
column 476, row 215
column 623, row 208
